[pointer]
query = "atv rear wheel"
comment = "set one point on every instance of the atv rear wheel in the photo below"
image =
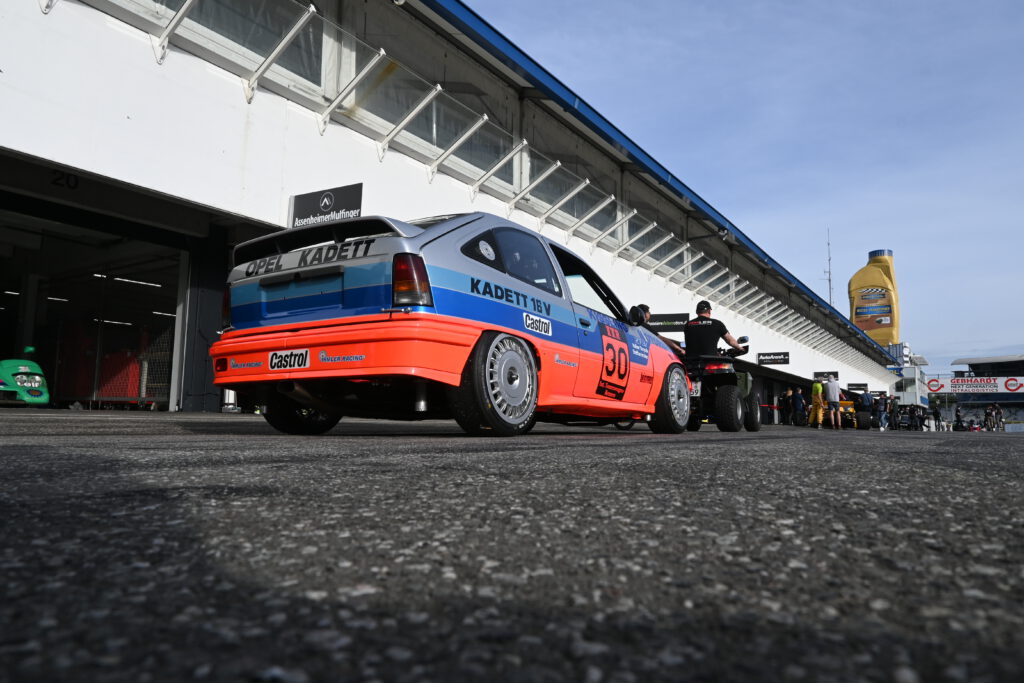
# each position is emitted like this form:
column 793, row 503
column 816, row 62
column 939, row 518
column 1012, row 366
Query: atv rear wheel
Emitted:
column 752, row 413
column 728, row 409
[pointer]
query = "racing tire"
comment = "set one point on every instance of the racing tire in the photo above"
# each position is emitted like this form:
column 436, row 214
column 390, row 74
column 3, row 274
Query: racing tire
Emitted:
column 729, row 410
column 863, row 420
column 752, row 413
column 672, row 409
column 624, row 425
column 498, row 393
column 291, row 417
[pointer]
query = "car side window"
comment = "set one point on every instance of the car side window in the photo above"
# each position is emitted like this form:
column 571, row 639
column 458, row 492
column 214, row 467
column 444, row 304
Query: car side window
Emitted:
column 526, row 259
column 586, row 288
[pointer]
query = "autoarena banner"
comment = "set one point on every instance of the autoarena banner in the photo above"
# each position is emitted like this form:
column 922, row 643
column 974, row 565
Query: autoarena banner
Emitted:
column 976, row 385
column 773, row 358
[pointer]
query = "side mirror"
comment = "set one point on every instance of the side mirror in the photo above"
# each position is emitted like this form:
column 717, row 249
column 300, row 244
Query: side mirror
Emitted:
column 743, row 340
column 636, row 316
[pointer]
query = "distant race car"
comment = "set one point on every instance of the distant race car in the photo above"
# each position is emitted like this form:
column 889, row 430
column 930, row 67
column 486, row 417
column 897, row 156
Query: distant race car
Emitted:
column 470, row 317
column 22, row 382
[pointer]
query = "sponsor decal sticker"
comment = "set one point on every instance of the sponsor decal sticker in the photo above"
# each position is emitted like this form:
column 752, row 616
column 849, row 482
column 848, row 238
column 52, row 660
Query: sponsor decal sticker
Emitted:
column 508, row 295
column 325, row 357
column 615, row 366
column 538, row 325
column 487, row 250
column 288, row 360
column 235, row 365
column 646, row 379
column 561, row 361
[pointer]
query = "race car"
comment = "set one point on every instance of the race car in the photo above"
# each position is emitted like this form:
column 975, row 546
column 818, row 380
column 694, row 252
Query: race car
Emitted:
column 467, row 316
column 22, row 382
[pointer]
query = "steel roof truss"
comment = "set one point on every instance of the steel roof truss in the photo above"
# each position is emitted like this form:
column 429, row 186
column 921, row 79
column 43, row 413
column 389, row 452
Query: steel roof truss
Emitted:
column 432, row 169
column 643, row 231
column 325, row 115
column 536, row 181
column 719, row 288
column 588, row 215
column 611, row 228
column 250, row 84
column 668, row 258
column 651, row 248
column 696, row 256
column 382, row 146
column 700, row 271
column 498, row 164
column 160, row 42
column 564, row 198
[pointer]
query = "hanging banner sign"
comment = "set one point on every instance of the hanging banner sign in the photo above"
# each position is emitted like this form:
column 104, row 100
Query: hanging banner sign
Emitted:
column 822, row 375
column 775, row 358
column 857, row 387
column 326, row 206
column 668, row 322
column 976, row 385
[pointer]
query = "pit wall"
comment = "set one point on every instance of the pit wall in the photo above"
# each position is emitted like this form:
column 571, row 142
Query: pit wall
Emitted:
column 82, row 89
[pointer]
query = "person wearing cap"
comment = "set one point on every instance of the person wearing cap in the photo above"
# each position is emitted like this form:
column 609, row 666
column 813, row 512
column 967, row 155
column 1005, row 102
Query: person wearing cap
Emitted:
column 703, row 332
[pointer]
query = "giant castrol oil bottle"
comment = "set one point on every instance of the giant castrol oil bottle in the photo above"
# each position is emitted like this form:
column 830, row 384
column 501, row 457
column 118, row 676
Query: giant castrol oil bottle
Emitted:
column 874, row 303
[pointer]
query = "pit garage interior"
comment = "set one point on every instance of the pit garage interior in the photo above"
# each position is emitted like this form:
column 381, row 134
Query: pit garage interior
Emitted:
column 196, row 123
column 98, row 295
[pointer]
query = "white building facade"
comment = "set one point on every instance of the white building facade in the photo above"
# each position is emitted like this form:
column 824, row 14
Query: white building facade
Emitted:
column 140, row 139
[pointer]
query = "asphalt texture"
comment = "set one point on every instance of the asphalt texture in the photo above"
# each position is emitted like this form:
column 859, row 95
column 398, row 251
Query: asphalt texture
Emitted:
column 174, row 547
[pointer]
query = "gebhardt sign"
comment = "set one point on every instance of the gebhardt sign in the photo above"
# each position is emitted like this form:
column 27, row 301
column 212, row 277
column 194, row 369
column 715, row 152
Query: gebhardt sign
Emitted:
column 976, row 385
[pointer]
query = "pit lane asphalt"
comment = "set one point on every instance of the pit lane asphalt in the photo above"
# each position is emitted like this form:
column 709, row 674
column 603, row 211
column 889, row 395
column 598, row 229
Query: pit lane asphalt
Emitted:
column 139, row 547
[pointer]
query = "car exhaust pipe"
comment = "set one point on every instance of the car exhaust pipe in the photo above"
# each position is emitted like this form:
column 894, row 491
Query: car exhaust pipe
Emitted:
column 300, row 394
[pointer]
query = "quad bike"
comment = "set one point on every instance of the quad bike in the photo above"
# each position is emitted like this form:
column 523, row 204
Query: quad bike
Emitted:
column 722, row 396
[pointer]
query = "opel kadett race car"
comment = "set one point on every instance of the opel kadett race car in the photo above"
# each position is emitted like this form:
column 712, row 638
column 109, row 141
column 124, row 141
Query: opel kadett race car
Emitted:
column 470, row 317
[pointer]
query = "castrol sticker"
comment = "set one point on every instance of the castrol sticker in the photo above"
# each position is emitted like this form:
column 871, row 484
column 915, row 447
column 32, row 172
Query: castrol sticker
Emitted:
column 288, row 360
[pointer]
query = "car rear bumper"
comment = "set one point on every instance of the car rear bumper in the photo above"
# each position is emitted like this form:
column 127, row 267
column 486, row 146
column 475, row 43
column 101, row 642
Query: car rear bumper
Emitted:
column 413, row 344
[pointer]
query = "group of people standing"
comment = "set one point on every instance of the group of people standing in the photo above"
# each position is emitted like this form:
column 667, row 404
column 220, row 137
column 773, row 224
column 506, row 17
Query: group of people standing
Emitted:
column 824, row 406
column 823, row 411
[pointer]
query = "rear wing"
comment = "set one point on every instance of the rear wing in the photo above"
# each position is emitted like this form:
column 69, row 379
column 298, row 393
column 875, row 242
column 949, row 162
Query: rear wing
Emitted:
column 296, row 238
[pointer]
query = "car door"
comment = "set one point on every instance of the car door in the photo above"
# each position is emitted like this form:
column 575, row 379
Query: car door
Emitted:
column 615, row 360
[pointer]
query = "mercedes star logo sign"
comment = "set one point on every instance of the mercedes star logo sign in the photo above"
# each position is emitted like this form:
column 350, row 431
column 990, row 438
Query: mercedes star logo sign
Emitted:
column 326, row 201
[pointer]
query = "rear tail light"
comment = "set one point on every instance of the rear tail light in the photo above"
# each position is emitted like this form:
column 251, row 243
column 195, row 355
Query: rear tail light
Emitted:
column 717, row 367
column 409, row 283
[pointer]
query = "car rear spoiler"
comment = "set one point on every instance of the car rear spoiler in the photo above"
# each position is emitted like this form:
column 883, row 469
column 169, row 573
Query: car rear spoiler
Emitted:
column 296, row 238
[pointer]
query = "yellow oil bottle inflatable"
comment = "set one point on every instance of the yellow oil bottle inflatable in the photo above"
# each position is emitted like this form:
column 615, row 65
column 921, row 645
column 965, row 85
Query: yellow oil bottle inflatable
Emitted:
column 874, row 302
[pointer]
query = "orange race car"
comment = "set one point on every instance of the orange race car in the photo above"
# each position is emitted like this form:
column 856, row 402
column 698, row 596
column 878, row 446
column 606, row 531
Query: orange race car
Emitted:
column 469, row 317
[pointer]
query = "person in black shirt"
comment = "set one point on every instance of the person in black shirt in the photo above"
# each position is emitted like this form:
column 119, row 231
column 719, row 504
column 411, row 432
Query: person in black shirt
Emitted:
column 703, row 332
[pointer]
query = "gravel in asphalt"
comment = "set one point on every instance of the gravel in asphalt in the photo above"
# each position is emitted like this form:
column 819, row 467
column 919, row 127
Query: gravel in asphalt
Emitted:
column 169, row 547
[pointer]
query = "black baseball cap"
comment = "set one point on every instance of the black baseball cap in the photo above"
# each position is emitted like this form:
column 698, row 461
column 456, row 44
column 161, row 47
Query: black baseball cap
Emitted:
column 703, row 306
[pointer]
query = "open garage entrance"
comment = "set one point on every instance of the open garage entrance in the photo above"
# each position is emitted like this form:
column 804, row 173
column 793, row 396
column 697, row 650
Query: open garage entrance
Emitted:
column 117, row 290
column 99, row 310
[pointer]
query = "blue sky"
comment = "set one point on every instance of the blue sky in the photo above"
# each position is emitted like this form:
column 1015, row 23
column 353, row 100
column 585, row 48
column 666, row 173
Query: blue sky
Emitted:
column 892, row 124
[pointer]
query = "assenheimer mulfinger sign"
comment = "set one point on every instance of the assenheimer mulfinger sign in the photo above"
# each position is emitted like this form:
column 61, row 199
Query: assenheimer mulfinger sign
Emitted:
column 326, row 206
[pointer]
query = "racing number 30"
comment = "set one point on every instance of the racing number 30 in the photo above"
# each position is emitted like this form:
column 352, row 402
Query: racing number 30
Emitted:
column 615, row 368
